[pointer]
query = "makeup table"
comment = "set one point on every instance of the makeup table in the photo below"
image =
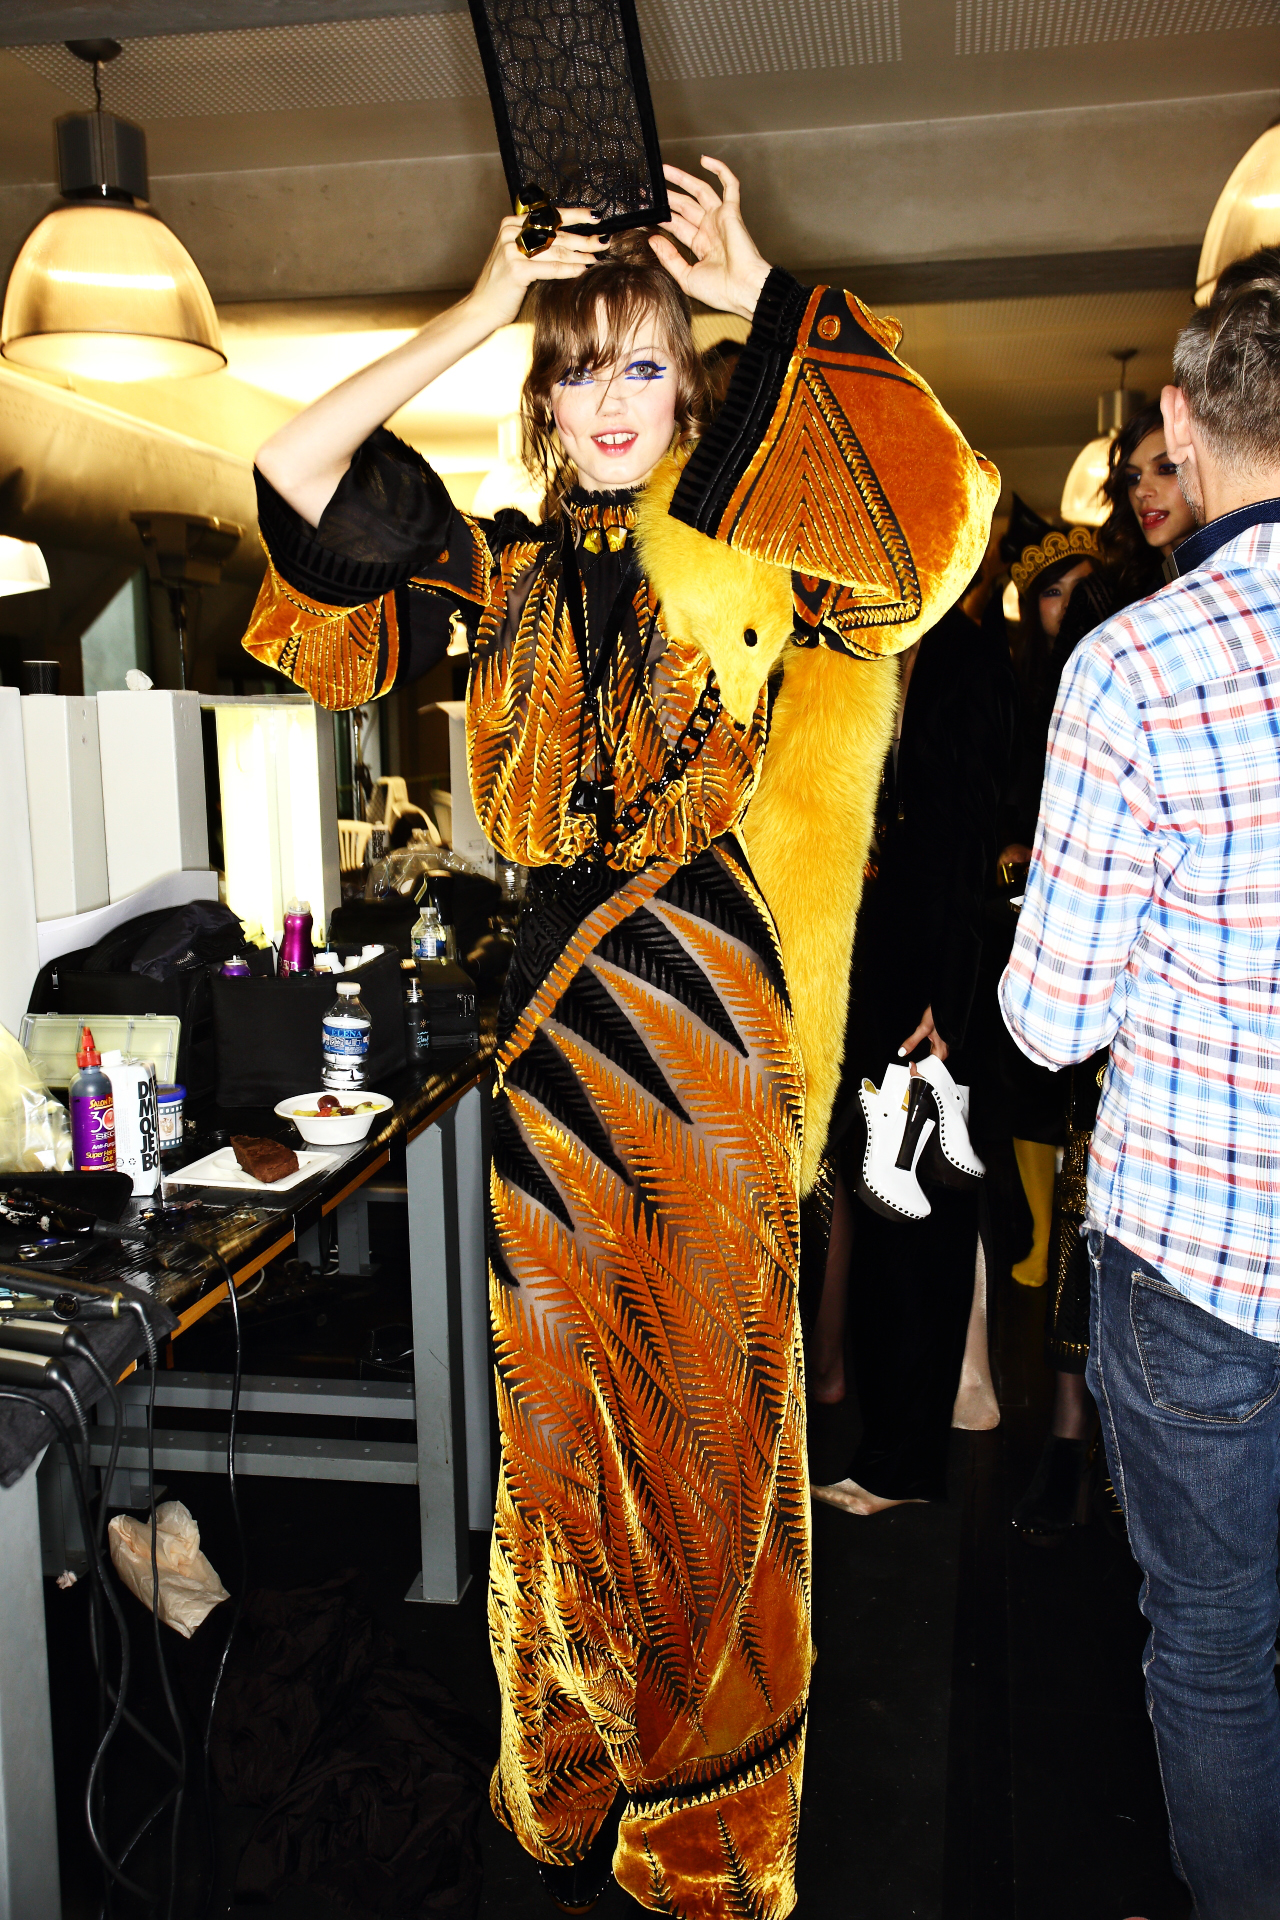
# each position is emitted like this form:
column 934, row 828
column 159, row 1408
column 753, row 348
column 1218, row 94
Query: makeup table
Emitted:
column 439, row 1118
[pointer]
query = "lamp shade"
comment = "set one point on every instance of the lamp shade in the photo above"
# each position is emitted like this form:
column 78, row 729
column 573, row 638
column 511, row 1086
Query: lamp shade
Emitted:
column 22, row 566
column 1083, row 501
column 1247, row 215
column 106, row 291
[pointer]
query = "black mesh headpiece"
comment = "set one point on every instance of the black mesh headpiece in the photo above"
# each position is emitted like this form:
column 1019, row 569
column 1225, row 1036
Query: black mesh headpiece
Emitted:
column 569, row 94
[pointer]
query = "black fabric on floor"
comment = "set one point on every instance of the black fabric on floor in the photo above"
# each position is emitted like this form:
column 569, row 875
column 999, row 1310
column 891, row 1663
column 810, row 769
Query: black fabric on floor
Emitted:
column 371, row 1777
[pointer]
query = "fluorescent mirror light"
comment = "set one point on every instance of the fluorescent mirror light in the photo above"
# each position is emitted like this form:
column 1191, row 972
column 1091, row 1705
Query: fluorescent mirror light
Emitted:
column 22, row 566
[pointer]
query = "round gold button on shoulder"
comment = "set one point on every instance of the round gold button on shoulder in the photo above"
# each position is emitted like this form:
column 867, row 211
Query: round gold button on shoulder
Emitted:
column 828, row 327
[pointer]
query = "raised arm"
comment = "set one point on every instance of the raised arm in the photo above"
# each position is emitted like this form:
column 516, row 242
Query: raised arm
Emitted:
column 305, row 460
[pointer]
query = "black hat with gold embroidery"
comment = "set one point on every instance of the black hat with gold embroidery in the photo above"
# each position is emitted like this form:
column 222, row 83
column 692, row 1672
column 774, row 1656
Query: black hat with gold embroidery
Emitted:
column 1031, row 545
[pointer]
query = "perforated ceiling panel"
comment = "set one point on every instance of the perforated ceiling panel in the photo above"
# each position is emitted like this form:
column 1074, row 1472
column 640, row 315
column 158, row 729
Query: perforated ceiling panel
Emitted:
column 341, row 63
column 1024, row 26
column 702, row 39
column 433, row 56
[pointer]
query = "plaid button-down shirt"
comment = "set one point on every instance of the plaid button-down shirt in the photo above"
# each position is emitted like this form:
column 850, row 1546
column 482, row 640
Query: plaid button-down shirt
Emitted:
column 1152, row 918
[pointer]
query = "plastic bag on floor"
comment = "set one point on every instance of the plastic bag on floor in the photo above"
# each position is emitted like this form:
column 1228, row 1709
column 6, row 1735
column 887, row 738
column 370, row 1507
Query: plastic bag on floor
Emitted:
column 189, row 1587
column 35, row 1133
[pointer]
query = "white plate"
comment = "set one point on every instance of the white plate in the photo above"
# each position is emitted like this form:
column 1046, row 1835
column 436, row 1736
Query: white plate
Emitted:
column 222, row 1169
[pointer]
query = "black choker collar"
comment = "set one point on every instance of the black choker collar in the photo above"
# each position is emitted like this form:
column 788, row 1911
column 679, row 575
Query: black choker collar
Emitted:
column 601, row 519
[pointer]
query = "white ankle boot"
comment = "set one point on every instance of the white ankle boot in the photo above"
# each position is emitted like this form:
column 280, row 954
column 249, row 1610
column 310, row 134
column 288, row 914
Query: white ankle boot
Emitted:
column 899, row 1128
column 951, row 1159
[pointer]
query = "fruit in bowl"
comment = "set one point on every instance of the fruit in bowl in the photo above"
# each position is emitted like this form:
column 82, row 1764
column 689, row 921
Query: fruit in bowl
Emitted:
column 324, row 1120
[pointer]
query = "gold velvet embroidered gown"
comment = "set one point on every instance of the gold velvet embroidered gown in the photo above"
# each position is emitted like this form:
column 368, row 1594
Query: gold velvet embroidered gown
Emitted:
column 649, row 1596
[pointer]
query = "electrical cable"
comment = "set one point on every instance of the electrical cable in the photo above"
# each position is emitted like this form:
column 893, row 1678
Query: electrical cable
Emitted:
column 161, row 1662
column 69, row 1339
column 73, row 1343
column 98, row 1586
column 238, row 1604
column 95, row 1302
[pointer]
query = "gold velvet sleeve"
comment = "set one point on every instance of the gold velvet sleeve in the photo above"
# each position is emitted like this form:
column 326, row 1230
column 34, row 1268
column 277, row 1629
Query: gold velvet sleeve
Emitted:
column 343, row 628
column 341, row 656
column 832, row 459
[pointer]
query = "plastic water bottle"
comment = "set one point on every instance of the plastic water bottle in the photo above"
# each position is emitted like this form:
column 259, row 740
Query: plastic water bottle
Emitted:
column 429, row 936
column 344, row 1038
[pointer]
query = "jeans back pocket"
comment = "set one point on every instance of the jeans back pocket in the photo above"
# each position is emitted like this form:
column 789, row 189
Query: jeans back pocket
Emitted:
column 1196, row 1364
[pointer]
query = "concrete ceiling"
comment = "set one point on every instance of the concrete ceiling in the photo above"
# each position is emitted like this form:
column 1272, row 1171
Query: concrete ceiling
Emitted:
column 1025, row 182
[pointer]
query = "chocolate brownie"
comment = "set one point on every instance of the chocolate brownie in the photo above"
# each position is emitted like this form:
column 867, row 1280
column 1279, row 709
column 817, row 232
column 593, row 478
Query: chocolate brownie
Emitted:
column 266, row 1160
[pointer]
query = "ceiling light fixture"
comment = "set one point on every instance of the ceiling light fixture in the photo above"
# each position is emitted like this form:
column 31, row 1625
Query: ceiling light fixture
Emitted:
column 22, row 566
column 1247, row 215
column 1083, row 502
column 101, row 287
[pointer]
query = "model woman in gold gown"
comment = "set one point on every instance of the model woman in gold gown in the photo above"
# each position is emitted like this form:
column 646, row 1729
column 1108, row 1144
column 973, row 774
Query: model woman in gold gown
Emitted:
column 670, row 1033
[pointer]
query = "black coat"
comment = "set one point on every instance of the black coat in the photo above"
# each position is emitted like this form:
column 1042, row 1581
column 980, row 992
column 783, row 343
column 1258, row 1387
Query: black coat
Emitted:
column 920, row 931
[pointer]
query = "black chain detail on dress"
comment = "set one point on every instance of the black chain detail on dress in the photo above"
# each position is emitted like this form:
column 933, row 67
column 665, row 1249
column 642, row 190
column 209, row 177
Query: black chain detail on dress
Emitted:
column 692, row 740
column 571, row 104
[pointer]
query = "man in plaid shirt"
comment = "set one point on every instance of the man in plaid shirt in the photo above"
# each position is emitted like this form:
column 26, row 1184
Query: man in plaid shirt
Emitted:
column 1152, row 922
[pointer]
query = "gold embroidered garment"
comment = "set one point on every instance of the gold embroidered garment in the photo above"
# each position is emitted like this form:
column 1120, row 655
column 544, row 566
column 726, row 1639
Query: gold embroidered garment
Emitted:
column 649, row 1594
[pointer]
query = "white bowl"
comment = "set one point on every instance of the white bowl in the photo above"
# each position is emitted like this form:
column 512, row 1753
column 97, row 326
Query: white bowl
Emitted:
column 336, row 1130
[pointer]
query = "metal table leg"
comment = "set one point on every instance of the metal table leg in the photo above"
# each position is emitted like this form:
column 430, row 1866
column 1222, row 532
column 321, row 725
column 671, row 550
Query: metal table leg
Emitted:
column 477, row 1362
column 29, row 1888
column 431, row 1165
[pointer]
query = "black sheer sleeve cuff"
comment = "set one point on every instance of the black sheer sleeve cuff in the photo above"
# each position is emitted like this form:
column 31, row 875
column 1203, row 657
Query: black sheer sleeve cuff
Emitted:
column 779, row 310
column 389, row 520
column 708, row 480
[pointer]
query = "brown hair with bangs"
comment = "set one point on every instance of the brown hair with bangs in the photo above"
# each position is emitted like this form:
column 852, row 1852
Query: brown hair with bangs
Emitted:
column 583, row 324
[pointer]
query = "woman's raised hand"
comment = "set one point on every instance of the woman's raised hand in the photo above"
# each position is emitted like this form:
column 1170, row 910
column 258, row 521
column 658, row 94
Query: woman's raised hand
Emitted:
column 508, row 273
column 728, row 270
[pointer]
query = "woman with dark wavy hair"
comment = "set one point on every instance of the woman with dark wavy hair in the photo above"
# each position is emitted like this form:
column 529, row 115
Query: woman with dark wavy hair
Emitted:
column 669, row 1035
column 1149, row 511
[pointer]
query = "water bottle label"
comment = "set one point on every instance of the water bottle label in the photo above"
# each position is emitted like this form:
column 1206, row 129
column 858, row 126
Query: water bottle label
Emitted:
column 428, row 946
column 352, row 1041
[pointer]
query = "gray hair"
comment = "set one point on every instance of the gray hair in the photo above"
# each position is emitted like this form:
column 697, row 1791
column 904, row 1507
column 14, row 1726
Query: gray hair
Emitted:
column 1227, row 362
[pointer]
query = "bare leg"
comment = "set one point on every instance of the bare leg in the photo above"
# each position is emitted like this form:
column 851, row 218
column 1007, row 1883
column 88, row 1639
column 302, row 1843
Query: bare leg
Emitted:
column 976, row 1409
column 826, row 1371
column 1072, row 1408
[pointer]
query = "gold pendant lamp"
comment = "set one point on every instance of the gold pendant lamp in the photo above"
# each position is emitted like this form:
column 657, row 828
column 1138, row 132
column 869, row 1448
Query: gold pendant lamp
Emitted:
column 1083, row 502
column 1247, row 215
column 101, row 287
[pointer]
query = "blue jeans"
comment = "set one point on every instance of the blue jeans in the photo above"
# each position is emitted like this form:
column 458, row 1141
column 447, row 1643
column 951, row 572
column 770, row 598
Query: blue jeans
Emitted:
column 1190, row 1412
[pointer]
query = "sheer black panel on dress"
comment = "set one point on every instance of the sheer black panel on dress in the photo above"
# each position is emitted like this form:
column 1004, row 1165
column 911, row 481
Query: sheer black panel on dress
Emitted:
column 571, row 103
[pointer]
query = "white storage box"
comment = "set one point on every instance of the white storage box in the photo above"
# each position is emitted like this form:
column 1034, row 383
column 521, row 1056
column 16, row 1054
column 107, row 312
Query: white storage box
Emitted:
column 152, row 786
column 19, row 952
column 64, row 798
